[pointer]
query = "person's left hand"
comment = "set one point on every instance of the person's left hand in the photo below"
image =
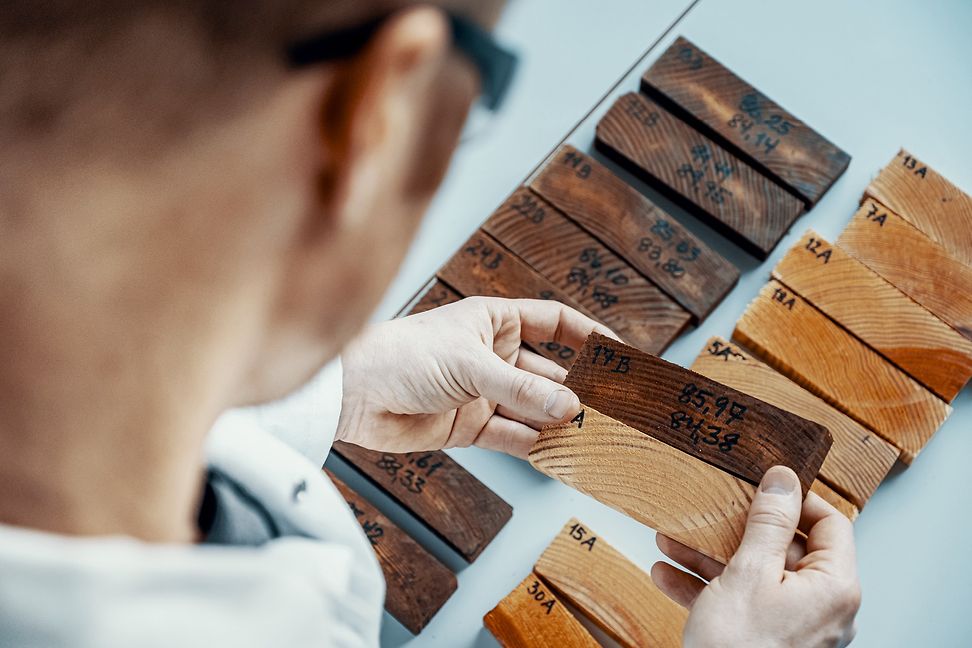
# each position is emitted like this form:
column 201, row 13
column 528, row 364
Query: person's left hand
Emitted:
column 457, row 376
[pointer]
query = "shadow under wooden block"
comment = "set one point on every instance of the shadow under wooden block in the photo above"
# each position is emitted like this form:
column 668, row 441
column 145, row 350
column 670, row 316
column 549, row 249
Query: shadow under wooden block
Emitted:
column 449, row 500
column 689, row 500
column 880, row 315
column 927, row 200
column 697, row 173
column 918, row 266
column 417, row 583
column 858, row 459
column 706, row 420
column 651, row 240
column 609, row 589
column 792, row 336
column 532, row 616
column 713, row 99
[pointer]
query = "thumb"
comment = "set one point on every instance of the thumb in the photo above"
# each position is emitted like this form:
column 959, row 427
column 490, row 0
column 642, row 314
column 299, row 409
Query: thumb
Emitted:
column 772, row 523
column 532, row 397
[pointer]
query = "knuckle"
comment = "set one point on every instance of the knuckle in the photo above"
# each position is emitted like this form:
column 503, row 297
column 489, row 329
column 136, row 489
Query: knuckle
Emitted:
column 771, row 517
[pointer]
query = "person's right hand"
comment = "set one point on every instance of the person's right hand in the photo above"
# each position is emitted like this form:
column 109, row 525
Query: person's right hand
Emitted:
column 775, row 591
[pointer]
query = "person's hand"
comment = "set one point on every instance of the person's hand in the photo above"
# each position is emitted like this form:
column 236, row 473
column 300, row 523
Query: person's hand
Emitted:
column 776, row 590
column 457, row 376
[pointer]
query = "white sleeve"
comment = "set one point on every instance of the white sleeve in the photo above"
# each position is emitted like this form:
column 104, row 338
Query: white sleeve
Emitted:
column 307, row 419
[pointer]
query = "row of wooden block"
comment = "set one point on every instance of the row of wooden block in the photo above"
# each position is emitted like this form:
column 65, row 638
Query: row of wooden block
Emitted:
column 581, row 570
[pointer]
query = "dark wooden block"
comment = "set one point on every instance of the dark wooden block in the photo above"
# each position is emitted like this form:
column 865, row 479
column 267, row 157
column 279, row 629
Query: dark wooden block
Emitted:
column 697, row 173
column 724, row 427
column 438, row 294
column 588, row 272
column 711, row 98
column 652, row 241
column 456, row 506
column 418, row 584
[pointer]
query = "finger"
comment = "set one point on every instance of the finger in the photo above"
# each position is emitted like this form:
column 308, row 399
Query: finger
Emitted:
column 681, row 587
column 688, row 558
column 547, row 320
column 795, row 553
column 830, row 537
column 513, row 416
column 529, row 396
column 535, row 363
column 770, row 528
column 504, row 435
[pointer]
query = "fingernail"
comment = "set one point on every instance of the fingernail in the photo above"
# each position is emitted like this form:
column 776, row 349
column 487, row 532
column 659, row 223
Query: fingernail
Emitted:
column 559, row 403
column 778, row 481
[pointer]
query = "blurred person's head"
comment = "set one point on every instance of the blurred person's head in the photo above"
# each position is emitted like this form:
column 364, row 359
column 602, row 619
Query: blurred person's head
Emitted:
column 187, row 222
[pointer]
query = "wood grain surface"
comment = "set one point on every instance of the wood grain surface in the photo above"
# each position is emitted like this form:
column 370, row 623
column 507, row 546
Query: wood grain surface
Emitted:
column 652, row 241
column 417, row 583
column 531, row 616
column 456, row 506
column 587, row 271
column 927, row 200
column 915, row 264
column 858, row 459
column 671, row 491
column 697, row 173
column 712, row 98
column 834, row 498
column 803, row 343
column 609, row 589
column 699, row 416
column 880, row 315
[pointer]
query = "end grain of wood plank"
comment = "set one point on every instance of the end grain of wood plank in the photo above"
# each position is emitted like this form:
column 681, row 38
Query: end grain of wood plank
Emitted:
column 689, row 500
column 701, row 417
column 834, row 499
column 803, row 343
column 418, row 584
column 927, row 200
column 712, row 98
column 587, row 271
column 609, row 589
column 652, row 241
column 455, row 505
column 918, row 266
column 880, row 315
column 858, row 460
column 532, row 616
column 697, row 173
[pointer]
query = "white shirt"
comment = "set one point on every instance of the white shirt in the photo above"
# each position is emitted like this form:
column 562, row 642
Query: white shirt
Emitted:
column 318, row 585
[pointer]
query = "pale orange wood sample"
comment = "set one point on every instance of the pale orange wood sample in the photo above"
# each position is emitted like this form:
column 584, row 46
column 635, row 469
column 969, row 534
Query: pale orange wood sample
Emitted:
column 880, row 315
column 858, row 460
column 671, row 491
column 609, row 589
column 917, row 265
column 803, row 343
column 532, row 616
column 927, row 200
column 833, row 497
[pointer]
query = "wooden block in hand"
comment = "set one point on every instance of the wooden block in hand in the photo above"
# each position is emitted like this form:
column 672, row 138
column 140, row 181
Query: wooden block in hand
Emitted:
column 880, row 315
column 531, row 616
column 697, row 173
column 418, row 584
column 587, row 272
column 609, row 589
column 713, row 99
column 927, row 200
column 858, row 460
column 652, row 241
column 720, row 425
column 671, row 491
column 918, row 266
column 438, row 294
column 455, row 506
column 803, row 343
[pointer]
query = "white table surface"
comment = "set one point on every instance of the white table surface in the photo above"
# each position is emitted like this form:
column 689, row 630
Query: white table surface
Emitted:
column 870, row 76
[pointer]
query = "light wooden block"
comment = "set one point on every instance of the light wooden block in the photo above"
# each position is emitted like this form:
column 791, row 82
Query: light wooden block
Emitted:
column 532, row 616
column 823, row 490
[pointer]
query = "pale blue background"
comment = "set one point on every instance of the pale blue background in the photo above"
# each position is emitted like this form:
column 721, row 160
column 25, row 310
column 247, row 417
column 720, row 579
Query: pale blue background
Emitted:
column 871, row 76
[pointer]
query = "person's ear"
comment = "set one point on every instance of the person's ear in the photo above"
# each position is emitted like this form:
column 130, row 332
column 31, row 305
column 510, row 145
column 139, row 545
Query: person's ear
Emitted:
column 380, row 108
